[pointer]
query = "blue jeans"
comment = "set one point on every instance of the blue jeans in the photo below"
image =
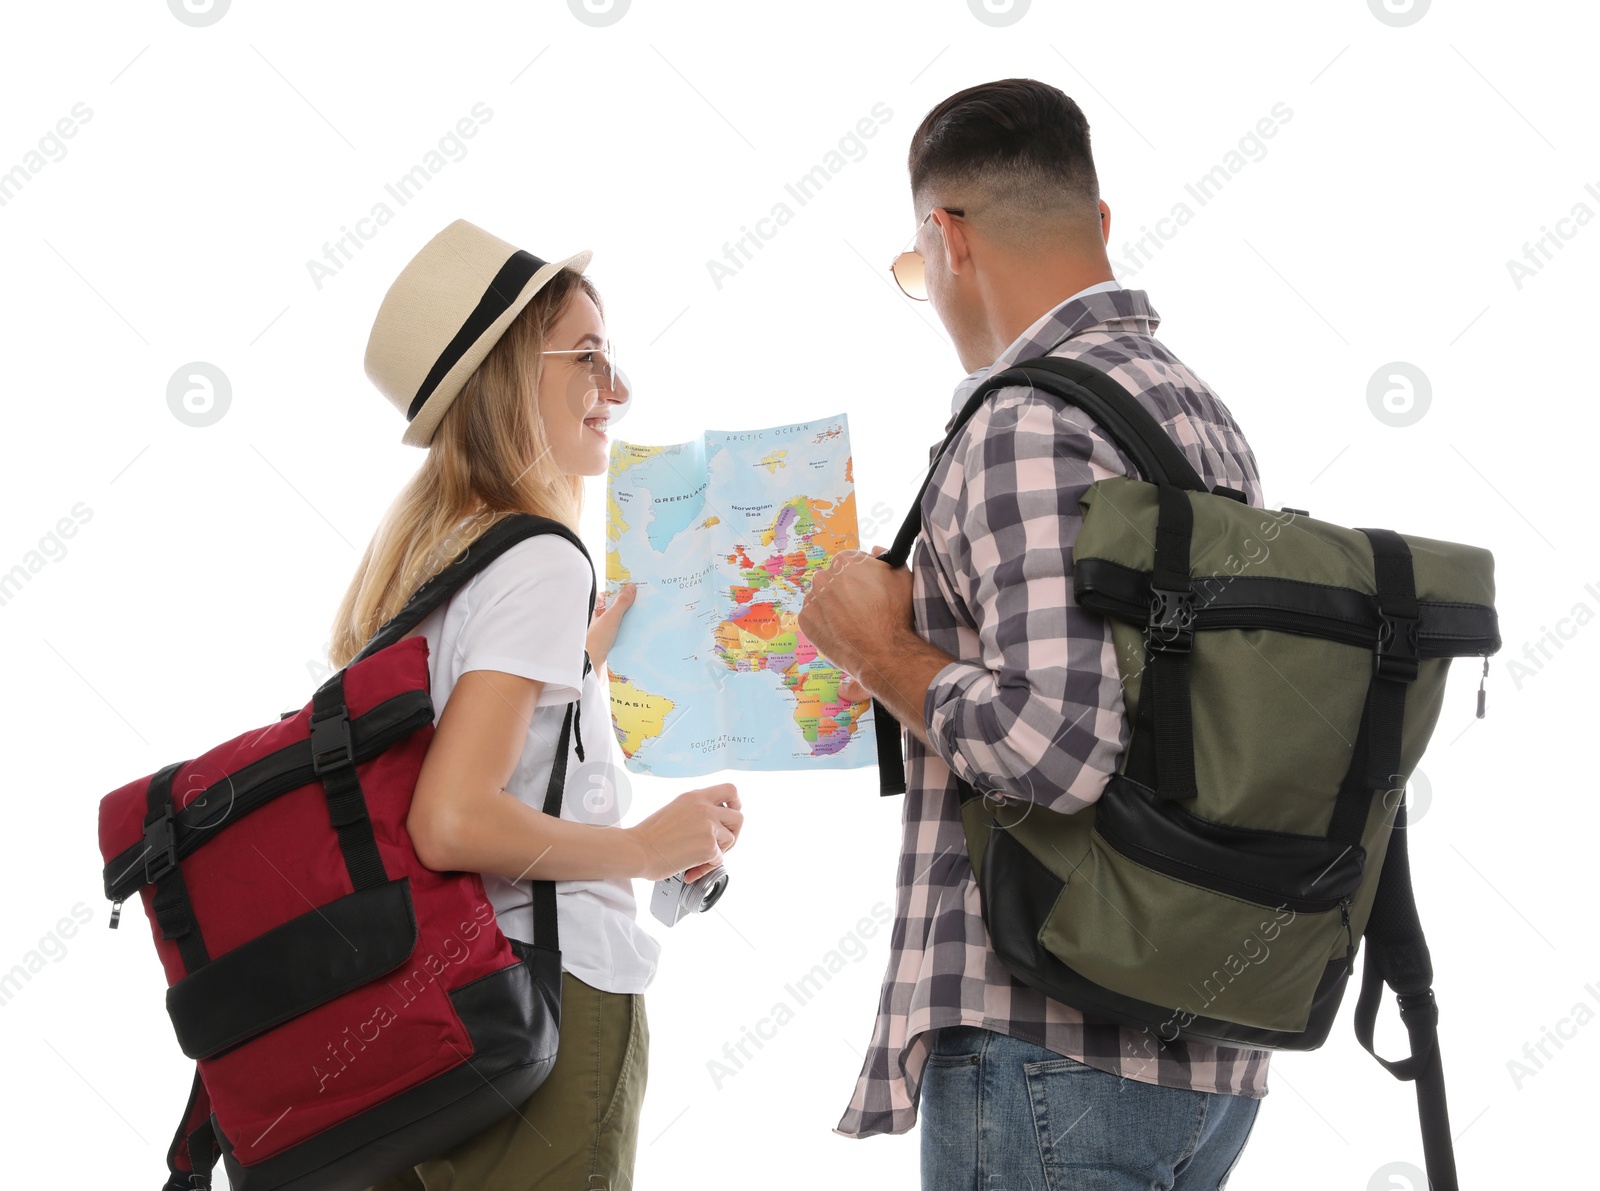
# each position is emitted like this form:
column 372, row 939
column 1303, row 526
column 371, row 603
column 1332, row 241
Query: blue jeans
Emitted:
column 1002, row 1114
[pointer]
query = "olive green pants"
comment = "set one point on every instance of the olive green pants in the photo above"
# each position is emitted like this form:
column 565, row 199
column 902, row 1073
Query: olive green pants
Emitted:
column 580, row 1128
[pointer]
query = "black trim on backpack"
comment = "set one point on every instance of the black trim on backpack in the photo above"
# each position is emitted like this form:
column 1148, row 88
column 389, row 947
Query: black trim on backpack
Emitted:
column 261, row 984
column 1306, row 873
column 1444, row 629
column 513, row 1019
column 1017, row 892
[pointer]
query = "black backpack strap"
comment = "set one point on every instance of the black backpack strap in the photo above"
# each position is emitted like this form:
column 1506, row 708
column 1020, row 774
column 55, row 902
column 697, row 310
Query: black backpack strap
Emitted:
column 1375, row 759
column 333, row 761
column 545, row 932
column 1161, row 746
column 1135, row 431
column 332, row 757
column 1397, row 956
column 194, row 1149
column 173, row 911
column 1117, row 412
column 488, row 546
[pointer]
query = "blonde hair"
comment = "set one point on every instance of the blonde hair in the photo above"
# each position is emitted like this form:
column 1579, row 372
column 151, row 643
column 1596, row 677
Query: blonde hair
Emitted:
column 489, row 457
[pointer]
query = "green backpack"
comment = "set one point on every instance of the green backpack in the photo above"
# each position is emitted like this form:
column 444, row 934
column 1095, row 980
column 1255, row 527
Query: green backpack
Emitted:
column 1282, row 676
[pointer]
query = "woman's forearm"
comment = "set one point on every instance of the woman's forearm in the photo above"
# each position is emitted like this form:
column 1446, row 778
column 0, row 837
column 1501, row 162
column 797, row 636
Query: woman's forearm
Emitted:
column 498, row 833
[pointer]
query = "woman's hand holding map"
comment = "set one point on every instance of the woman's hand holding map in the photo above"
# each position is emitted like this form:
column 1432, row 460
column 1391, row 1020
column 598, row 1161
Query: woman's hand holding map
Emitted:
column 607, row 620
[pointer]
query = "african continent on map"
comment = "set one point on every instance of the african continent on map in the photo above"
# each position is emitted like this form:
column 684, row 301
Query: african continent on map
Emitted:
column 761, row 630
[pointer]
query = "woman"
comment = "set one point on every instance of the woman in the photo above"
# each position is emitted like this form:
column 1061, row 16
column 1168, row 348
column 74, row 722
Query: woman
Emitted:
column 499, row 362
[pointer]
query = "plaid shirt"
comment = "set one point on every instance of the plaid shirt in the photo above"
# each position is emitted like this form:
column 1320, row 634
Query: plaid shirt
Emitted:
column 1034, row 710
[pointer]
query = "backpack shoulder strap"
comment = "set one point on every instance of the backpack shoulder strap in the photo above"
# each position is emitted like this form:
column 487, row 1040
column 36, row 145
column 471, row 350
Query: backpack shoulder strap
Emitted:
column 1118, row 414
column 490, row 545
column 1077, row 382
column 1397, row 957
column 194, row 1150
column 1122, row 419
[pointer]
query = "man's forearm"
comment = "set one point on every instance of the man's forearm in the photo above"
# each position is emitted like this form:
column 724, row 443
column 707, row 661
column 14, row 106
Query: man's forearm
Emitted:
column 899, row 672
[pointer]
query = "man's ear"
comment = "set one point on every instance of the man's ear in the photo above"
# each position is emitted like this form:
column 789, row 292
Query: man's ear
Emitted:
column 954, row 243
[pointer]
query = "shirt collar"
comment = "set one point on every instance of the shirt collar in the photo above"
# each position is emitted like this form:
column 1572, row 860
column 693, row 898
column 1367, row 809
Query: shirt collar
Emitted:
column 1106, row 306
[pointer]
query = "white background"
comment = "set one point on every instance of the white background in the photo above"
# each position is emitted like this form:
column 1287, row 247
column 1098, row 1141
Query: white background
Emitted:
column 193, row 603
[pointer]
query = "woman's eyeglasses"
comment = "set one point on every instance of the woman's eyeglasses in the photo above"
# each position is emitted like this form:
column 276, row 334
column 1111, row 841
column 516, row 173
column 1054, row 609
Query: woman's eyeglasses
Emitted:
column 601, row 365
column 909, row 269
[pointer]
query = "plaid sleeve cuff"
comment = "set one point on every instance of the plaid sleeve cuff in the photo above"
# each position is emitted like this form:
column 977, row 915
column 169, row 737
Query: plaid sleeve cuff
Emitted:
column 947, row 694
column 963, row 713
column 938, row 703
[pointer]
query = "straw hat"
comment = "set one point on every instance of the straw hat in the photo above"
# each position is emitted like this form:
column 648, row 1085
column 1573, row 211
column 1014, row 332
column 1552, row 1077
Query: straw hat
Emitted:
column 444, row 312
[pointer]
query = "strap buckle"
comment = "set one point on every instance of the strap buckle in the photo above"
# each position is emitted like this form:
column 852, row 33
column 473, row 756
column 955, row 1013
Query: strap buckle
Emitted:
column 1415, row 1006
column 1170, row 628
column 330, row 741
column 160, row 847
column 1395, row 656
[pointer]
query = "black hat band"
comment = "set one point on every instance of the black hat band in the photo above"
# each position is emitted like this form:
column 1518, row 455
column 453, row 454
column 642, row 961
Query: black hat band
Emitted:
column 496, row 300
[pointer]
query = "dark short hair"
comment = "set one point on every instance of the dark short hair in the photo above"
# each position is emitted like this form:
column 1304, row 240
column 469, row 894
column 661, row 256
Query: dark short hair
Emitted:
column 1015, row 135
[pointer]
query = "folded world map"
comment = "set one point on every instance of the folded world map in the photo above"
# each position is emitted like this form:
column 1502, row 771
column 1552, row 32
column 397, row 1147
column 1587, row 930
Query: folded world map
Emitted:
column 722, row 535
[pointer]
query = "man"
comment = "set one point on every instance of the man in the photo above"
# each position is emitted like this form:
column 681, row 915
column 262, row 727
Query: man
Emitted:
column 1002, row 680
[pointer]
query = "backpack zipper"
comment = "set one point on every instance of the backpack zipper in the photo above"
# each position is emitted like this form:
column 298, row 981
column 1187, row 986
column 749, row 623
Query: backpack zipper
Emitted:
column 1216, row 882
column 1246, row 616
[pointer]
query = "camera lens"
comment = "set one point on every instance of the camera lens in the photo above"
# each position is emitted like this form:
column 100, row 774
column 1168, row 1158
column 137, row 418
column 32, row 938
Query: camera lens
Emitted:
column 714, row 882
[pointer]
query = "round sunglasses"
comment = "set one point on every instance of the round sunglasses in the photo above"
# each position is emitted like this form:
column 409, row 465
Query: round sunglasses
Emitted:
column 909, row 269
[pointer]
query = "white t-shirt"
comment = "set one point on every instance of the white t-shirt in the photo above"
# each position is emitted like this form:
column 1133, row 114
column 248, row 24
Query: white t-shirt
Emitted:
column 526, row 613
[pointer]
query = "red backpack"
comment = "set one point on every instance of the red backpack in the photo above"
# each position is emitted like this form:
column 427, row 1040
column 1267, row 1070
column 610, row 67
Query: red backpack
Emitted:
column 350, row 1012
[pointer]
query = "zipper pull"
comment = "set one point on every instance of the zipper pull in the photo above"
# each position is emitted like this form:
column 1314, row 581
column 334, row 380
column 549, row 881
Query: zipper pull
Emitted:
column 1481, row 681
column 116, row 913
column 1350, row 949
